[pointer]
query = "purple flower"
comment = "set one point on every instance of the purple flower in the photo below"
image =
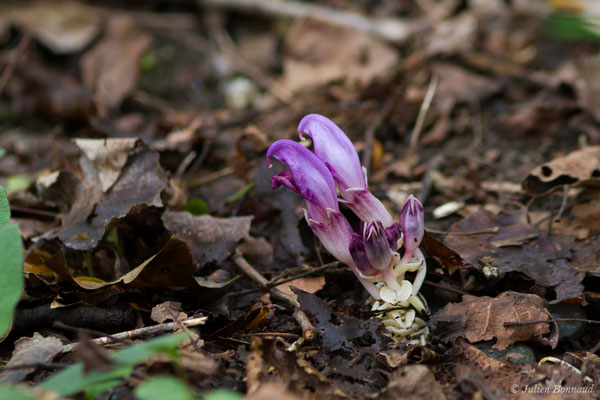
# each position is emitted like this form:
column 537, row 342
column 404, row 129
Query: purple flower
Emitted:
column 412, row 222
column 372, row 254
column 309, row 177
column 338, row 154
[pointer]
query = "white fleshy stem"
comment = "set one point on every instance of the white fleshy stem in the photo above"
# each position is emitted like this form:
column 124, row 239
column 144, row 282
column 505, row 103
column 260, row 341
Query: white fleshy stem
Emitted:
column 373, row 291
column 422, row 271
column 390, row 279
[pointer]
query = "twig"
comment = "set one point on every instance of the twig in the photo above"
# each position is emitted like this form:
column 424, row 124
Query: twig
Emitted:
column 443, row 287
column 465, row 233
column 148, row 330
column 549, row 321
column 308, row 331
column 391, row 29
column 414, row 137
column 14, row 60
column 563, row 204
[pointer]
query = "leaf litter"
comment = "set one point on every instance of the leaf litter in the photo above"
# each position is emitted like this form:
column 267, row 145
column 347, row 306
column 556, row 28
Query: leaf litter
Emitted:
column 138, row 185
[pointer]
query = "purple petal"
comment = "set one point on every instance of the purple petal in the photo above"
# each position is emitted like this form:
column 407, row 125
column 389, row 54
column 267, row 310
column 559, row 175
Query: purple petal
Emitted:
column 308, row 175
column 376, row 245
column 334, row 232
column 284, row 178
column 368, row 207
column 334, row 148
column 359, row 256
column 412, row 221
column 393, row 234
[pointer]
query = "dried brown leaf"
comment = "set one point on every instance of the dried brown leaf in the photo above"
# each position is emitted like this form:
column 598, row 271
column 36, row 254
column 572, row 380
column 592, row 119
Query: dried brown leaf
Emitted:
column 33, row 350
column 548, row 260
column 210, row 238
column 111, row 68
column 140, row 185
column 413, row 382
column 482, row 318
column 579, row 167
column 320, row 53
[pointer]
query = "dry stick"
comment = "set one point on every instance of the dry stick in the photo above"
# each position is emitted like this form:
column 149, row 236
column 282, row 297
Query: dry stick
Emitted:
column 465, row 233
column 563, row 204
column 391, row 29
column 549, row 321
column 14, row 60
column 414, row 137
column 148, row 330
column 308, row 331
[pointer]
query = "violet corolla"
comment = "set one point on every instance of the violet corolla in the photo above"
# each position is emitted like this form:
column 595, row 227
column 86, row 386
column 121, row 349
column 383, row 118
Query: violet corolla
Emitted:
column 373, row 254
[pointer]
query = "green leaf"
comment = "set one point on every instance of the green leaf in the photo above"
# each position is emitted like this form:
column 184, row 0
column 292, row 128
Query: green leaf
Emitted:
column 72, row 380
column 2, row 153
column 222, row 394
column 164, row 387
column 11, row 274
column 197, row 206
column 16, row 393
column 574, row 27
column 4, row 208
column 18, row 182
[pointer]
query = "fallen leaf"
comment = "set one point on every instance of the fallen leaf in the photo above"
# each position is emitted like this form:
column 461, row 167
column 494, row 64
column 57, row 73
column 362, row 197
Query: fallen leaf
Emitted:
column 482, row 318
column 140, row 185
column 457, row 85
column 579, row 167
column 453, row 35
column 210, row 238
column 413, row 382
column 315, row 57
column 108, row 157
column 63, row 27
column 171, row 267
column 167, row 311
column 337, row 332
column 310, row 285
column 547, row 260
column 111, row 68
column 30, row 351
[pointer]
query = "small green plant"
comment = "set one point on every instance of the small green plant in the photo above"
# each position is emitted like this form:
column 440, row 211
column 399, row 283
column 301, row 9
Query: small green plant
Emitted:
column 11, row 266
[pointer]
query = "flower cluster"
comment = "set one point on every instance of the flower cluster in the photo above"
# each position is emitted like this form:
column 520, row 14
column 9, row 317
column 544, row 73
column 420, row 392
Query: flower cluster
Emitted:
column 373, row 253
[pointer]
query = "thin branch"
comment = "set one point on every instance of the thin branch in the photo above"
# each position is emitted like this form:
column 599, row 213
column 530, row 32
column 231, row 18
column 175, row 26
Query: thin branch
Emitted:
column 308, row 331
column 549, row 321
column 414, row 137
column 14, row 60
column 391, row 29
column 148, row 330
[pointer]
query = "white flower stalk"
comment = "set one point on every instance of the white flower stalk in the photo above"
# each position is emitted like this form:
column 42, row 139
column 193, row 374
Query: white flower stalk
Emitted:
column 401, row 323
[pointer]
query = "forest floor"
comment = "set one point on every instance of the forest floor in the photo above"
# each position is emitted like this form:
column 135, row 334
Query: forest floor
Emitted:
column 487, row 111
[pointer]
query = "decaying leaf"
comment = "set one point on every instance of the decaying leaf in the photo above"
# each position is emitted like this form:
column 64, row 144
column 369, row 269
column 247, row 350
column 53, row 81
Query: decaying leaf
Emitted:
column 30, row 351
column 171, row 267
column 315, row 57
column 140, row 185
column 515, row 246
column 579, row 167
column 108, row 157
column 168, row 311
column 413, row 382
column 111, row 68
column 482, row 318
column 336, row 336
column 63, row 26
column 210, row 238
column 310, row 285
